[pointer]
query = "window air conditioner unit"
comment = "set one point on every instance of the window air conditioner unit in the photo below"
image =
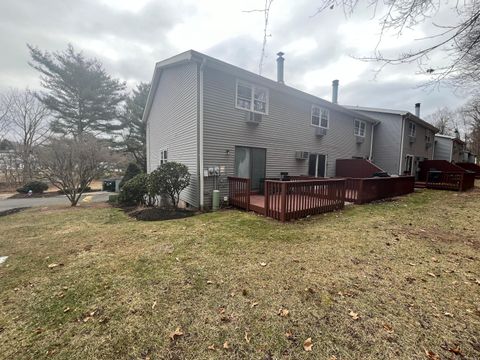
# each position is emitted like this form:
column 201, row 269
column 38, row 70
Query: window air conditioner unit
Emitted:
column 301, row 155
column 411, row 139
column 359, row 139
column 320, row 131
column 253, row 118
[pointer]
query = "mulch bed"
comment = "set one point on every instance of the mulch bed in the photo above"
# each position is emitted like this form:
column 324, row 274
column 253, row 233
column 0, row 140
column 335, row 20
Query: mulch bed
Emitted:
column 157, row 214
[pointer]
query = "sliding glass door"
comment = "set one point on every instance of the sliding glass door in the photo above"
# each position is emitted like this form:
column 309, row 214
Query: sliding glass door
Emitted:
column 317, row 165
column 250, row 163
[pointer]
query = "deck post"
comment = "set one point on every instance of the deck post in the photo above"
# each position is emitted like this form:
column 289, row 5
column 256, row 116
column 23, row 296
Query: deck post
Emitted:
column 248, row 194
column 283, row 201
column 266, row 196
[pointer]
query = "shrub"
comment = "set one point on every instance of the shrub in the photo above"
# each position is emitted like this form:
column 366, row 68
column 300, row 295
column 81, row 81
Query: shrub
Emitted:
column 37, row 187
column 131, row 171
column 170, row 179
column 113, row 199
column 134, row 191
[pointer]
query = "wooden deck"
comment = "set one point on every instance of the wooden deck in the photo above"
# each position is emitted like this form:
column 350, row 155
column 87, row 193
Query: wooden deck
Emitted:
column 289, row 200
column 304, row 203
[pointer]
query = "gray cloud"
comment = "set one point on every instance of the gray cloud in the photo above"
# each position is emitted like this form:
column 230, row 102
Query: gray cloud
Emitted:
column 129, row 43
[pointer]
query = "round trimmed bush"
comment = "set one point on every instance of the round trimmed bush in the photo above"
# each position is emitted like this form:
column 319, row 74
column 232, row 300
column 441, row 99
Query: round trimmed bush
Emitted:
column 134, row 191
column 37, row 187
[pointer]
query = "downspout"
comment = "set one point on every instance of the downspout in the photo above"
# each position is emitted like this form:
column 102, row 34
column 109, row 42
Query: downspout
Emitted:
column 370, row 157
column 200, row 129
column 451, row 152
column 401, row 146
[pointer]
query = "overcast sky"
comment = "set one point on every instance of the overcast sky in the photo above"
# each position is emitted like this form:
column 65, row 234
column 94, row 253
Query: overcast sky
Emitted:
column 129, row 36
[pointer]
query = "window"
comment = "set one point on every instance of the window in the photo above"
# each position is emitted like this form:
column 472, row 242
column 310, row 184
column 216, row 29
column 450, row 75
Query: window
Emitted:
column 428, row 137
column 412, row 129
column 252, row 98
column 360, row 128
column 163, row 156
column 320, row 117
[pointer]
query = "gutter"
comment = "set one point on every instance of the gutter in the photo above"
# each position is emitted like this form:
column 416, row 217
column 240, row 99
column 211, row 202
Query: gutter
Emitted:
column 200, row 130
column 401, row 146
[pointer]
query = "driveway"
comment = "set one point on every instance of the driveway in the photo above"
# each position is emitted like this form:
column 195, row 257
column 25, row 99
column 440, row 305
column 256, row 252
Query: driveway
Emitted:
column 8, row 204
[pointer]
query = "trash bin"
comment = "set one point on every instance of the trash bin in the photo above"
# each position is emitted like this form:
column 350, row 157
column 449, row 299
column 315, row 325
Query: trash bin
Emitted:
column 109, row 185
column 434, row 176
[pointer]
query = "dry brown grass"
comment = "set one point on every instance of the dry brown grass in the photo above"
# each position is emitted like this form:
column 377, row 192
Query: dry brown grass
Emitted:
column 408, row 268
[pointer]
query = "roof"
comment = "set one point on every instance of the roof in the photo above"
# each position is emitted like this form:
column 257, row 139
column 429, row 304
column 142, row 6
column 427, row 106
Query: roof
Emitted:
column 454, row 138
column 403, row 113
column 205, row 60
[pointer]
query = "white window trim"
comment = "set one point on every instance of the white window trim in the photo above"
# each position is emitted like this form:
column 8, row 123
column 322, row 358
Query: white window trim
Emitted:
column 359, row 127
column 320, row 119
column 414, row 129
column 252, row 103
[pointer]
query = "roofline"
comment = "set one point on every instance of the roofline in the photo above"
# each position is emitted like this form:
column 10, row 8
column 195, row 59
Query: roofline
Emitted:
column 450, row 138
column 192, row 55
column 403, row 113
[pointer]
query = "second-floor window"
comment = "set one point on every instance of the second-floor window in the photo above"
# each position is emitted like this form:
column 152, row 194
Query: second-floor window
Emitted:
column 360, row 128
column 320, row 117
column 163, row 156
column 428, row 137
column 412, row 129
column 251, row 97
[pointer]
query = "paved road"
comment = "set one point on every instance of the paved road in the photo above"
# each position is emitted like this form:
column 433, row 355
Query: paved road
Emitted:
column 8, row 204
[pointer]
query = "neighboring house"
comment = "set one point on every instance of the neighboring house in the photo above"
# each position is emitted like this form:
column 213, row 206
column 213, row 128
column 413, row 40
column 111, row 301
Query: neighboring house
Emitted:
column 449, row 148
column 402, row 139
column 221, row 120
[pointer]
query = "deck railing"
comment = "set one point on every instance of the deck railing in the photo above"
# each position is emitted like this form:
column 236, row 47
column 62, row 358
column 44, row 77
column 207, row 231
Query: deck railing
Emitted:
column 451, row 180
column 288, row 200
column 364, row 190
column 239, row 192
column 471, row 167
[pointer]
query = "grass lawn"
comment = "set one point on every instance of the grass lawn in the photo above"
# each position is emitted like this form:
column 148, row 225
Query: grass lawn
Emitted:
column 396, row 280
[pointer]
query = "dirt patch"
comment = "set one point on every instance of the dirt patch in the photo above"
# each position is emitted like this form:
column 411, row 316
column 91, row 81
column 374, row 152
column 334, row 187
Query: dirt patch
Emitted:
column 12, row 211
column 156, row 214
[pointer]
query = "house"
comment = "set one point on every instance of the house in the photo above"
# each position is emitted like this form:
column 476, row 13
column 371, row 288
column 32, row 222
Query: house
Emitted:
column 402, row 139
column 221, row 120
column 449, row 148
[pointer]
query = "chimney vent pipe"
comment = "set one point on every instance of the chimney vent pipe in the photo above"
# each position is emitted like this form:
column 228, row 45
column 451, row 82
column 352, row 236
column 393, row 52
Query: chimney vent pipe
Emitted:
column 417, row 109
column 280, row 61
column 335, row 91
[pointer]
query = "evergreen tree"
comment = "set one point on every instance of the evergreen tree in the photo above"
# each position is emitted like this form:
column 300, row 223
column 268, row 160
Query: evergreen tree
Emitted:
column 134, row 129
column 81, row 95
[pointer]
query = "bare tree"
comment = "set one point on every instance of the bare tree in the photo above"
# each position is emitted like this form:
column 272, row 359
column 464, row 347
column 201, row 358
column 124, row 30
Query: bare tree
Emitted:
column 4, row 110
column 459, row 40
column 444, row 120
column 29, row 126
column 71, row 165
column 471, row 115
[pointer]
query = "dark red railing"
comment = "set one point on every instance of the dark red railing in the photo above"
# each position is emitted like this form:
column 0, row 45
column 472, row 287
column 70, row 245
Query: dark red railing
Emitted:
column 288, row 200
column 451, row 180
column 364, row 190
column 239, row 192
column 470, row 167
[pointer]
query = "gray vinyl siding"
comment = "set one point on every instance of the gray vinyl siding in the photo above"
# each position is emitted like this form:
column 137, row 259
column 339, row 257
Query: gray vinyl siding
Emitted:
column 417, row 148
column 386, row 142
column 286, row 129
column 172, row 124
column 457, row 154
column 443, row 149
